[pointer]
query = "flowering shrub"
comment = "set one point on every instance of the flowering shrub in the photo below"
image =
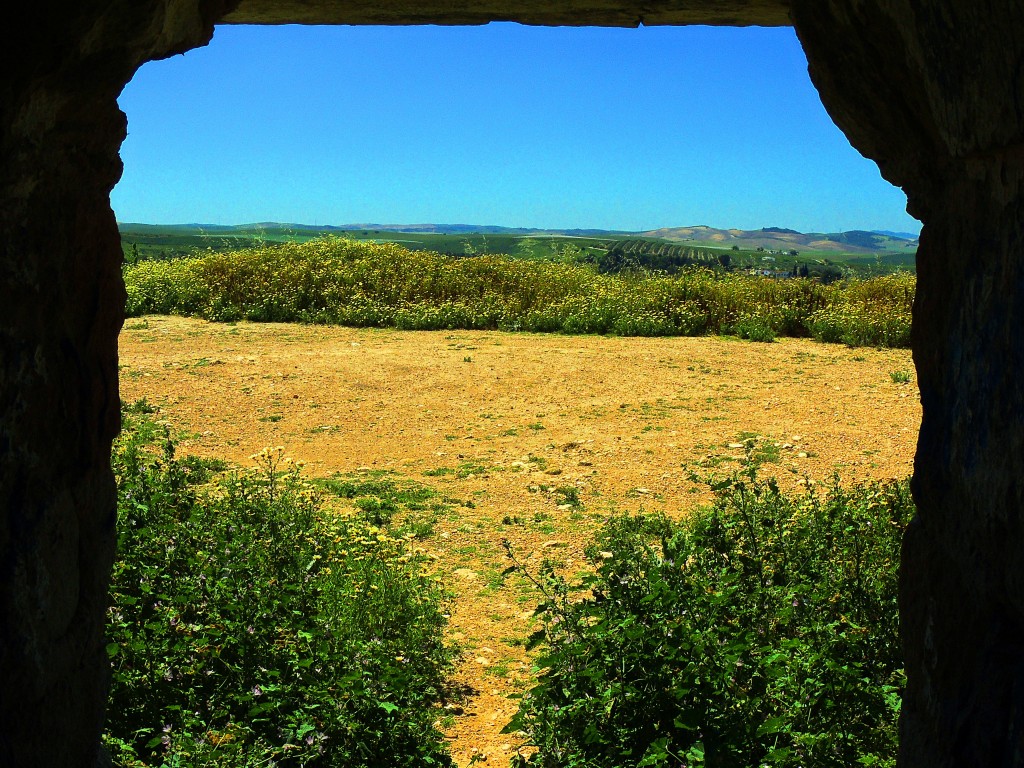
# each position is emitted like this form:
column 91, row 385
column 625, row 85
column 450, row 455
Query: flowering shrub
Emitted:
column 251, row 626
column 359, row 283
column 759, row 632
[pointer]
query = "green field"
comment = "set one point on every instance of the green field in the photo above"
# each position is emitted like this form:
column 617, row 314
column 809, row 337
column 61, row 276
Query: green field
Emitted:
column 609, row 251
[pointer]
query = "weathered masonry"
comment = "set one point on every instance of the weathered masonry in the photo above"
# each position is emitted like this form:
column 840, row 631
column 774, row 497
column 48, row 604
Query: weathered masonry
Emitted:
column 931, row 90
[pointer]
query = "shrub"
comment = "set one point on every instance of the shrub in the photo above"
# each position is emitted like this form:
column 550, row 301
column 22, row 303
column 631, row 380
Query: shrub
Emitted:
column 367, row 284
column 754, row 329
column 251, row 626
column 761, row 631
column 873, row 312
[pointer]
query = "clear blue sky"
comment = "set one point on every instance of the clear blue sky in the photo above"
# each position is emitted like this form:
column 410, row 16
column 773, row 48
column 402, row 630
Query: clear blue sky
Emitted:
column 503, row 124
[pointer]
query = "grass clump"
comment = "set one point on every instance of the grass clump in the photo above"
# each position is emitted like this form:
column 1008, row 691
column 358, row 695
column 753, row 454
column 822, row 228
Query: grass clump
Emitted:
column 385, row 499
column 760, row 632
column 354, row 283
column 250, row 626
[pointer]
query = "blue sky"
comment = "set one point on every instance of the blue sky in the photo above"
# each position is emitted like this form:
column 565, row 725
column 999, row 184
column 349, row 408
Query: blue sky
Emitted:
column 502, row 124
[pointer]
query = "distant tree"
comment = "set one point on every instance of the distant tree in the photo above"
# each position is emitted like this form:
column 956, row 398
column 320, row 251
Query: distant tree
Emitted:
column 617, row 259
column 725, row 259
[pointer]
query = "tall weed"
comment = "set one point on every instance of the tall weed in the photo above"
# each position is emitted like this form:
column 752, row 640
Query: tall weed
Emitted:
column 358, row 283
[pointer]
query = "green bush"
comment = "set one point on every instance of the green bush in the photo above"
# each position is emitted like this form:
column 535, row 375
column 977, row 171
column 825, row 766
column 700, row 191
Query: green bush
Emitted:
column 754, row 329
column 872, row 312
column 356, row 283
column 251, row 626
column 759, row 632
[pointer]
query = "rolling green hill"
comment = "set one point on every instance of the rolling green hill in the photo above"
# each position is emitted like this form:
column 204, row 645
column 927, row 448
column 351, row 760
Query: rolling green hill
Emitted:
column 778, row 239
column 667, row 250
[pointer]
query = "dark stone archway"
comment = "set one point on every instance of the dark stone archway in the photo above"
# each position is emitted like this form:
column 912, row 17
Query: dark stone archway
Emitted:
column 932, row 91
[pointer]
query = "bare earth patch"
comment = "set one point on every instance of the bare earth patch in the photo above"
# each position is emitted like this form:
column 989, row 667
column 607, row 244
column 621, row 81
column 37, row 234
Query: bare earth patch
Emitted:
column 500, row 422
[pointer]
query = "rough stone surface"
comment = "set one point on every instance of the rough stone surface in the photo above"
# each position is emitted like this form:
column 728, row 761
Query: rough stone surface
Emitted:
column 932, row 91
column 621, row 13
column 61, row 310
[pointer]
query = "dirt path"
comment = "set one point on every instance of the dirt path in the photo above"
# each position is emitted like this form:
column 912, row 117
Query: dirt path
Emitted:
column 501, row 421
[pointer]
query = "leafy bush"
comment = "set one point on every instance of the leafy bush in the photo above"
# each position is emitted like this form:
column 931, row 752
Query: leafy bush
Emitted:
column 349, row 282
column 754, row 329
column 759, row 632
column 251, row 626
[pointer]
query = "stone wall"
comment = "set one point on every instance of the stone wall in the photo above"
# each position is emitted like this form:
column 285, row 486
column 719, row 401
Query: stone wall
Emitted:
column 932, row 91
column 619, row 13
column 61, row 308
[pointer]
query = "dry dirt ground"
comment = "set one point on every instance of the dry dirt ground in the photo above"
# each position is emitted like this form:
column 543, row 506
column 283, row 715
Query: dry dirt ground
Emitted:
column 500, row 420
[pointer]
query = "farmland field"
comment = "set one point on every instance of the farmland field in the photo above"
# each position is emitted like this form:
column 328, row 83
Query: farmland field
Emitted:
column 142, row 241
column 529, row 438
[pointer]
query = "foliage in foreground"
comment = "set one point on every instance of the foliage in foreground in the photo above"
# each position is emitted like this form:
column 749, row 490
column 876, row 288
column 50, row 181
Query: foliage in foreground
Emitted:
column 249, row 626
column 347, row 282
column 760, row 632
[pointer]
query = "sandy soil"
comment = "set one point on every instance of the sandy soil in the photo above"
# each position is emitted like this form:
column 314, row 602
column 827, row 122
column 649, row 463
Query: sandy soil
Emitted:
column 623, row 420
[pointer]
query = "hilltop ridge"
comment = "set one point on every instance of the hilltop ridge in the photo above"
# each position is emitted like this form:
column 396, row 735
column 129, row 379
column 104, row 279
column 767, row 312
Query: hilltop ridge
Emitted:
column 767, row 238
column 780, row 239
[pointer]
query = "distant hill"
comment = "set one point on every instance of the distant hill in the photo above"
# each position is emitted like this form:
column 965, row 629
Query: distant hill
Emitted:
column 901, row 235
column 441, row 229
column 857, row 242
column 779, row 239
column 476, row 229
